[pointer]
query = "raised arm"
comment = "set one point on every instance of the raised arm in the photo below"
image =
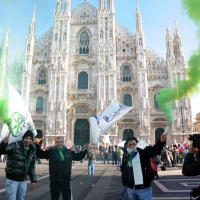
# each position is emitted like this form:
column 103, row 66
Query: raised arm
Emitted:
column 5, row 148
column 151, row 152
column 41, row 153
column 80, row 155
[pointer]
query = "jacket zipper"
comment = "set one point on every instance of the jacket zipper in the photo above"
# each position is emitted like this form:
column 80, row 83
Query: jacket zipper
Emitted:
column 29, row 163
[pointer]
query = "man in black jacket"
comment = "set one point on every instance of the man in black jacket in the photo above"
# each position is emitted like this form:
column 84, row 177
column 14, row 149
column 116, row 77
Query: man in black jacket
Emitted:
column 60, row 164
column 137, row 173
column 20, row 163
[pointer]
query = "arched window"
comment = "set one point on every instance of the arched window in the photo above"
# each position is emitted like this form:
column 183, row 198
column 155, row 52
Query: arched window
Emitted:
column 39, row 104
column 84, row 43
column 128, row 133
column 127, row 100
column 42, row 77
column 83, row 80
column 126, row 74
column 156, row 105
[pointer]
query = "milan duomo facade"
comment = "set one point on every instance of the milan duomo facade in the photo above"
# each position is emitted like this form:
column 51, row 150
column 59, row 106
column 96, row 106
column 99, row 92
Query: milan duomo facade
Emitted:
column 87, row 61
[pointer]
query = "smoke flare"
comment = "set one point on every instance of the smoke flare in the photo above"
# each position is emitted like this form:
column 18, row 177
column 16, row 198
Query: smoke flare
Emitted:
column 190, row 85
column 4, row 112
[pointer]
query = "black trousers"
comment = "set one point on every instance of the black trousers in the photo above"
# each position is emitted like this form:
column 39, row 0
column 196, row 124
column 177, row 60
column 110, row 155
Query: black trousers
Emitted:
column 63, row 187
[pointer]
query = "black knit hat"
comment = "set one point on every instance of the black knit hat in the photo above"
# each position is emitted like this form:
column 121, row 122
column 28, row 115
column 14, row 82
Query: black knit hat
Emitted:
column 28, row 133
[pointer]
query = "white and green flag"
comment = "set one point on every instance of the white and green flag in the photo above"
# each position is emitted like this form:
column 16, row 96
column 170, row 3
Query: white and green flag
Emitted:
column 101, row 123
column 21, row 120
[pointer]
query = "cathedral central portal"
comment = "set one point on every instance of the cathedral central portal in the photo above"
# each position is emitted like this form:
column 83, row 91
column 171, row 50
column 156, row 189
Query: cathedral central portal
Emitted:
column 81, row 132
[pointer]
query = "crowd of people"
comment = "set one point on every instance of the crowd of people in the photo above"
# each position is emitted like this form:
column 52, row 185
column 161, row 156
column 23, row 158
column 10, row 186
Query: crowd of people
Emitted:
column 138, row 166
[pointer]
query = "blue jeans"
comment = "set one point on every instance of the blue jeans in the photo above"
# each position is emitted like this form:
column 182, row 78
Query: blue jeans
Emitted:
column 123, row 194
column 140, row 194
column 119, row 163
column 15, row 190
column 91, row 164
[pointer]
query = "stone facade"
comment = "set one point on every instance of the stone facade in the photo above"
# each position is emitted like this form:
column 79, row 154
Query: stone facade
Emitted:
column 196, row 124
column 86, row 61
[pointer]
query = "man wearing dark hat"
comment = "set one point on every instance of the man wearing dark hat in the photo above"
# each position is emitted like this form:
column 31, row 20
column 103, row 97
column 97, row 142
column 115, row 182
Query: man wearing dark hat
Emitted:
column 21, row 162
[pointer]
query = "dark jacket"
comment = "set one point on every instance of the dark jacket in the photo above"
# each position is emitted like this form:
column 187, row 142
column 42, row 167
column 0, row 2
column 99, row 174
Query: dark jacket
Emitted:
column 60, row 170
column 147, row 171
column 191, row 167
column 15, row 165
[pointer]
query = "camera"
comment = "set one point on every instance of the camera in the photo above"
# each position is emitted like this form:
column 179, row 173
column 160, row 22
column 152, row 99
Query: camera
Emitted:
column 196, row 140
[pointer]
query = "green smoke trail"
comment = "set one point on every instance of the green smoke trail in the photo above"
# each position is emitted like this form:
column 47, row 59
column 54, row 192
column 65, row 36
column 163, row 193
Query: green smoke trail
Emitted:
column 4, row 113
column 190, row 85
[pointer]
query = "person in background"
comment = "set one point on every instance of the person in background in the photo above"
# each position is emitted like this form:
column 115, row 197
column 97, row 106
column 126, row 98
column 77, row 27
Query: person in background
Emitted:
column 157, row 162
column 100, row 149
column 20, row 164
column 114, row 156
column 119, row 158
column 184, row 153
column 124, row 189
column 91, row 161
column 105, row 155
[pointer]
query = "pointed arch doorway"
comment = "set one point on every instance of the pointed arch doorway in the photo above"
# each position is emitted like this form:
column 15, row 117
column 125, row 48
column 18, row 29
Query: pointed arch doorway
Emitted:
column 158, row 133
column 81, row 132
column 128, row 133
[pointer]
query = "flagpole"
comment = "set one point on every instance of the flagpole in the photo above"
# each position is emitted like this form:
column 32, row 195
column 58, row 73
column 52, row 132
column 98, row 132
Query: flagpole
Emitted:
column 182, row 121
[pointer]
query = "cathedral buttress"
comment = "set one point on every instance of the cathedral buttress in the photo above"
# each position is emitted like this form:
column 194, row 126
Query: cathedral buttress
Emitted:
column 106, row 86
column 59, row 68
column 3, row 62
column 30, row 42
column 142, row 74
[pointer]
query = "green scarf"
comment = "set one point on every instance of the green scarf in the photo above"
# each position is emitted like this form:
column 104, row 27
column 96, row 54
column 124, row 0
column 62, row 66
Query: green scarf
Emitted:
column 26, row 157
column 130, row 164
column 62, row 157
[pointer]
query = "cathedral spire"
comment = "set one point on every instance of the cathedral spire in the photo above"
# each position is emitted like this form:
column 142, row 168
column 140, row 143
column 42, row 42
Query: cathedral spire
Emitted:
column 58, row 7
column 111, row 6
column 101, row 4
column 67, row 6
column 3, row 61
column 169, row 45
column 138, row 18
column 177, row 42
column 32, row 24
column 176, row 32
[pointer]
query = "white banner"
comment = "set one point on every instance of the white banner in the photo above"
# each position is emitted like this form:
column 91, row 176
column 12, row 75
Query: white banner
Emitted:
column 101, row 123
column 106, row 139
column 20, row 117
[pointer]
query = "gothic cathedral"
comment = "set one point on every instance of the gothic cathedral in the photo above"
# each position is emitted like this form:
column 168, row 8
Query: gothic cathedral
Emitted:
column 87, row 61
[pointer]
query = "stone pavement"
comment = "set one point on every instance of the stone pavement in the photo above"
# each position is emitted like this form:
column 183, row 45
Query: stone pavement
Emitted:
column 106, row 183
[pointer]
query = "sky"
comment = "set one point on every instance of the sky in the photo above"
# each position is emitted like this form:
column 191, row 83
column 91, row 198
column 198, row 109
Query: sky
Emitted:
column 16, row 15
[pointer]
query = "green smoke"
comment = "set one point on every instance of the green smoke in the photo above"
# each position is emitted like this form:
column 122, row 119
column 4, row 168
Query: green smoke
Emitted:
column 190, row 85
column 4, row 113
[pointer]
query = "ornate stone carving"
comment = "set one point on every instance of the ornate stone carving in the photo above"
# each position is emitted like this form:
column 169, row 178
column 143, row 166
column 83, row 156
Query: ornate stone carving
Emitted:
column 82, row 109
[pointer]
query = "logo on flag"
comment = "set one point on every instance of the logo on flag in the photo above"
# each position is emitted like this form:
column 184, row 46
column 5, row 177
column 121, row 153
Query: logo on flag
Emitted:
column 183, row 145
column 101, row 123
column 21, row 120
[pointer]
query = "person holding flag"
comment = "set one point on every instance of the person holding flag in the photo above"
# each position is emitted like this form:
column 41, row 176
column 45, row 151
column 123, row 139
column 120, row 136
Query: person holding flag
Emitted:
column 20, row 164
